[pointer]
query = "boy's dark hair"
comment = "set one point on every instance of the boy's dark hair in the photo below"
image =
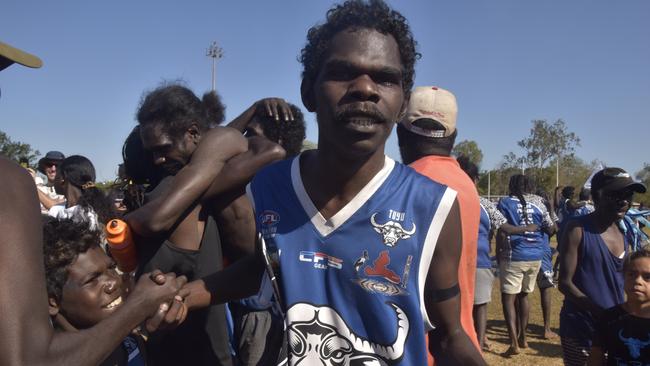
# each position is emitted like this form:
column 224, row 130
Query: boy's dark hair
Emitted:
column 374, row 14
column 289, row 134
column 177, row 107
column 63, row 241
column 80, row 172
column 642, row 252
column 468, row 166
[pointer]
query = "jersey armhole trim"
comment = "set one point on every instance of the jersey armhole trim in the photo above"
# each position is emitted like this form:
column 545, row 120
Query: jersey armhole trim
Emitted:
column 430, row 242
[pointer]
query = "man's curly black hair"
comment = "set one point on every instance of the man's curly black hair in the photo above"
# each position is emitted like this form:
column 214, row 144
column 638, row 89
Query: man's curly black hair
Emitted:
column 374, row 14
column 177, row 107
column 63, row 241
column 289, row 134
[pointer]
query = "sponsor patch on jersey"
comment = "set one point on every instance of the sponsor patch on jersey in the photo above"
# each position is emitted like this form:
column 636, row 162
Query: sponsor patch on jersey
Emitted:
column 269, row 221
column 392, row 226
column 377, row 277
column 321, row 260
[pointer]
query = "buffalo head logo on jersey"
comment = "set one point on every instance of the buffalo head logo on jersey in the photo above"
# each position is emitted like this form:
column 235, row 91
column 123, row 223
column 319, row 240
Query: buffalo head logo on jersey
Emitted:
column 392, row 231
column 634, row 345
column 317, row 335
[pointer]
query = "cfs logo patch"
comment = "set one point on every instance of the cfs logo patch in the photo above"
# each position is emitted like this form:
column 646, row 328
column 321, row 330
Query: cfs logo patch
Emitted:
column 269, row 221
column 321, row 260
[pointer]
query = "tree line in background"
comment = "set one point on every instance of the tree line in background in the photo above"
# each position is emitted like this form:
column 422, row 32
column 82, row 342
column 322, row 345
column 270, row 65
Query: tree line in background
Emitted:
column 548, row 157
column 16, row 150
column 548, row 154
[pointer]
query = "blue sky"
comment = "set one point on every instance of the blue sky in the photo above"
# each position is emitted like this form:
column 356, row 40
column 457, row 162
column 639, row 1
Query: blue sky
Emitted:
column 507, row 61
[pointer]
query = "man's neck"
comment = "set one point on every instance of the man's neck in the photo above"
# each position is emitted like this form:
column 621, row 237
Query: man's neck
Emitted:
column 431, row 152
column 603, row 220
column 332, row 181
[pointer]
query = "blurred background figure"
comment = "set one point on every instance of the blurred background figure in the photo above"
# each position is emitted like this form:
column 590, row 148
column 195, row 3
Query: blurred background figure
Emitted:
column 47, row 194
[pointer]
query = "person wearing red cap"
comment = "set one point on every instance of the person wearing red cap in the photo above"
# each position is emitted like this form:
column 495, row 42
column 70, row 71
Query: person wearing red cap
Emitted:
column 591, row 256
column 426, row 137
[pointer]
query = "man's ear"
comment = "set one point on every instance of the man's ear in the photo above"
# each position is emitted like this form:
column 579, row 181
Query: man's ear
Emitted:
column 307, row 94
column 53, row 306
column 405, row 104
column 194, row 132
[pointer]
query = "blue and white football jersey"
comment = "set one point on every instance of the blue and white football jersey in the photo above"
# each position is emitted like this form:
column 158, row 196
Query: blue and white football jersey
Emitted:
column 352, row 285
column 530, row 245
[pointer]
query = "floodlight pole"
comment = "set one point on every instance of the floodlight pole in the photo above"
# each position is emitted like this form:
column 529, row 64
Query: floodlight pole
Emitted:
column 215, row 52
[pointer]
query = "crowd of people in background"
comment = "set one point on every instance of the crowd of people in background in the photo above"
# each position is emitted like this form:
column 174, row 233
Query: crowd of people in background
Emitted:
column 254, row 248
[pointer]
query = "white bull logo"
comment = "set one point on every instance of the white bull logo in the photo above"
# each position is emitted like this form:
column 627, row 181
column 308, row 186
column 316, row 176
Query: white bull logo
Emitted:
column 317, row 335
column 391, row 231
column 633, row 345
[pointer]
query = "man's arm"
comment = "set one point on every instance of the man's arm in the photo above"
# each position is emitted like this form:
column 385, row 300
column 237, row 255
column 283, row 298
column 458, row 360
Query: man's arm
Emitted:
column 162, row 213
column 27, row 335
column 569, row 249
column 216, row 147
column 46, row 200
column 572, row 204
column 448, row 342
column 513, row 230
column 218, row 288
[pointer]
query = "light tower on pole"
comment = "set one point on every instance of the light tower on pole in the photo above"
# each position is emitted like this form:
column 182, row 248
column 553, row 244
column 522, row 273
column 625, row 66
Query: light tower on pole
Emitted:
column 215, row 52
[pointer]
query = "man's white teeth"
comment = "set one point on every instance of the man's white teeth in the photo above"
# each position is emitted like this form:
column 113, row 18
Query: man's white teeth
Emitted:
column 115, row 303
column 363, row 122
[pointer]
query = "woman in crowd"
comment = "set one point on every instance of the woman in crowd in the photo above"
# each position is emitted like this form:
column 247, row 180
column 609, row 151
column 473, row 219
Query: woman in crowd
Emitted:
column 520, row 255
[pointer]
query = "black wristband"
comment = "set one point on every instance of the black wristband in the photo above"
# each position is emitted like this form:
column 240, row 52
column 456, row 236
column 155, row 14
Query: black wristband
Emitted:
column 440, row 295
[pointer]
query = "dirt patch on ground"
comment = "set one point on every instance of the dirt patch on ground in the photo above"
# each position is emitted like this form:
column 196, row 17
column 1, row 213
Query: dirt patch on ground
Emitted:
column 541, row 352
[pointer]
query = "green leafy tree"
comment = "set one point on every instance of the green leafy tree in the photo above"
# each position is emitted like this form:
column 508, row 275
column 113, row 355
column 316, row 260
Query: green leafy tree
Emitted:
column 470, row 149
column 548, row 141
column 544, row 152
column 15, row 150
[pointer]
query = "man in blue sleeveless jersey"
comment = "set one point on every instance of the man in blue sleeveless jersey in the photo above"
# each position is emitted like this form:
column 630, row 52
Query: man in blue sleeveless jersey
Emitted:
column 368, row 249
column 591, row 256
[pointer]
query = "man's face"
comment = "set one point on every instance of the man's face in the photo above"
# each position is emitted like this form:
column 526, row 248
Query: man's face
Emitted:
column 50, row 170
column 615, row 202
column 358, row 93
column 93, row 290
column 637, row 281
column 169, row 153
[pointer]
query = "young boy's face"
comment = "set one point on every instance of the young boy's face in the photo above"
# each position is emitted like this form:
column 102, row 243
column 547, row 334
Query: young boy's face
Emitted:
column 93, row 290
column 637, row 280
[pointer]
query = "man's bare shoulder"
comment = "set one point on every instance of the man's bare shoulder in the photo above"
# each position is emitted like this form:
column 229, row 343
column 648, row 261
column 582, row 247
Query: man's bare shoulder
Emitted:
column 219, row 133
column 14, row 177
